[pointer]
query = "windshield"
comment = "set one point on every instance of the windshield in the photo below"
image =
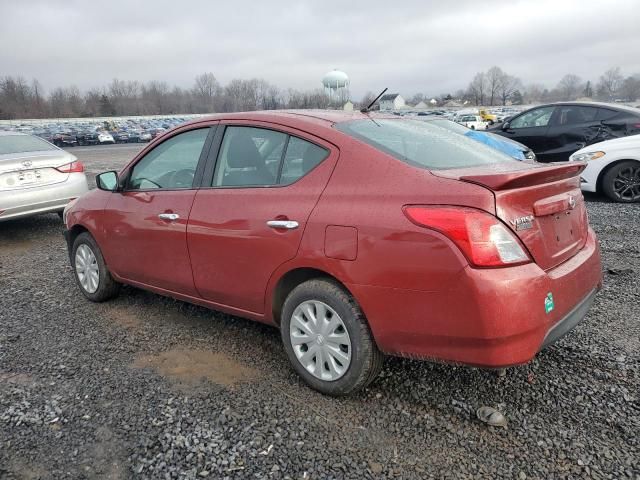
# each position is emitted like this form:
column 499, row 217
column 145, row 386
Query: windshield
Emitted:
column 449, row 125
column 423, row 144
column 23, row 143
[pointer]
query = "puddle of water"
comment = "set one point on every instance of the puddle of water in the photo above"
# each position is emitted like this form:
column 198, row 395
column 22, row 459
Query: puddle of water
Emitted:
column 13, row 246
column 194, row 366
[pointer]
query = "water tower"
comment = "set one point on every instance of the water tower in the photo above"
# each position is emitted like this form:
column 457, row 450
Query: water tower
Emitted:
column 336, row 86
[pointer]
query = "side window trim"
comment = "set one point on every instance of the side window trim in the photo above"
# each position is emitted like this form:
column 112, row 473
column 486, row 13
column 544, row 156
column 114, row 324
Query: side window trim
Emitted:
column 212, row 157
column 282, row 157
column 197, row 179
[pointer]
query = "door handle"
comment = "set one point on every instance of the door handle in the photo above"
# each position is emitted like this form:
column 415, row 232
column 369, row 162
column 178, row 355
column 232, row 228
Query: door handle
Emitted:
column 171, row 217
column 286, row 224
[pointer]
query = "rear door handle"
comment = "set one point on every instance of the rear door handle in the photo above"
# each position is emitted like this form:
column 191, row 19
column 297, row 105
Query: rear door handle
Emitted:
column 286, row 224
column 171, row 217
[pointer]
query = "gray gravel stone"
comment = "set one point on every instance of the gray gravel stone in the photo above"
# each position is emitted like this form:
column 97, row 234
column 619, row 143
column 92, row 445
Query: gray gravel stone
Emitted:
column 86, row 390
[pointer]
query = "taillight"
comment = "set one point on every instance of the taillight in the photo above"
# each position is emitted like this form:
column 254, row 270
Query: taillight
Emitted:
column 482, row 238
column 73, row 167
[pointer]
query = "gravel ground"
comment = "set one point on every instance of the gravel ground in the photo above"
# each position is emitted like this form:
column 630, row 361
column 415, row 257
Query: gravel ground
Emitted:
column 148, row 387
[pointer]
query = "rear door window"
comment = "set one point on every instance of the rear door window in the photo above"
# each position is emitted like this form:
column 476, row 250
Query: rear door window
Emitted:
column 574, row 115
column 300, row 159
column 606, row 114
column 249, row 156
column 260, row 157
column 422, row 144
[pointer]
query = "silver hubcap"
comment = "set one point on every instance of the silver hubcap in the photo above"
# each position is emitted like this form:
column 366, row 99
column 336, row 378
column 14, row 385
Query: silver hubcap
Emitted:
column 320, row 340
column 87, row 268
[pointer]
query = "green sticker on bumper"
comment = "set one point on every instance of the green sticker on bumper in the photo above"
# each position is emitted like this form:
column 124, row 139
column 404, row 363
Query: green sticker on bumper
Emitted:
column 548, row 303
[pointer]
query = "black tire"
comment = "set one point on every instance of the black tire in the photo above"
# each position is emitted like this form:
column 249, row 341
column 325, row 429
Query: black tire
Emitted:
column 107, row 286
column 614, row 186
column 366, row 359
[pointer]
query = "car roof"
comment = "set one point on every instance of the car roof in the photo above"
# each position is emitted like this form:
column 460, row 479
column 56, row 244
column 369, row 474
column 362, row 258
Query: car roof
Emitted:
column 611, row 106
column 325, row 118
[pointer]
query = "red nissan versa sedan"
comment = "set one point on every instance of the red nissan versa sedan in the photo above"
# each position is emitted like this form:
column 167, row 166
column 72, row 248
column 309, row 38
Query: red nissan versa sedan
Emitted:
column 357, row 235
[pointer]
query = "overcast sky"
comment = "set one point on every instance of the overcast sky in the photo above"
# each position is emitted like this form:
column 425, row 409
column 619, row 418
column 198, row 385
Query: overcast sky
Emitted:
column 409, row 46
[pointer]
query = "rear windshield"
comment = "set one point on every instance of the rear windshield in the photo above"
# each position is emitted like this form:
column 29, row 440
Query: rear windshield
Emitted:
column 423, row 144
column 23, row 143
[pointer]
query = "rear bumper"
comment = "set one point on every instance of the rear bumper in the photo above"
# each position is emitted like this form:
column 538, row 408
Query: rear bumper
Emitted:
column 51, row 198
column 573, row 318
column 491, row 317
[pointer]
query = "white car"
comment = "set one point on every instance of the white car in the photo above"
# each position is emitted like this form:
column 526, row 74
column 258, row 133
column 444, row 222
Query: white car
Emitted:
column 36, row 176
column 104, row 137
column 474, row 122
column 613, row 168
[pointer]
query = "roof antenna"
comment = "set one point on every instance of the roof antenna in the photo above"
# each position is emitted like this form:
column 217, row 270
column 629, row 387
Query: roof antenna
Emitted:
column 366, row 109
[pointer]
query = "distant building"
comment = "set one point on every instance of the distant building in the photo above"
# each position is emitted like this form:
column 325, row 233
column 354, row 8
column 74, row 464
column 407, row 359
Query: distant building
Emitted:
column 392, row 101
column 348, row 107
column 421, row 104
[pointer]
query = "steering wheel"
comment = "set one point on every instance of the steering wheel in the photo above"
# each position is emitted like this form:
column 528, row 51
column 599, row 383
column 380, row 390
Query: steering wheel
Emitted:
column 182, row 178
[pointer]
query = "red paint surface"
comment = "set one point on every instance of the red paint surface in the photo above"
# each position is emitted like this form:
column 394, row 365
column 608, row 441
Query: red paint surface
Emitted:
column 341, row 242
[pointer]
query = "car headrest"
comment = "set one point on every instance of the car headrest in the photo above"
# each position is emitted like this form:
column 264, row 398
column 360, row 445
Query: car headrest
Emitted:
column 243, row 152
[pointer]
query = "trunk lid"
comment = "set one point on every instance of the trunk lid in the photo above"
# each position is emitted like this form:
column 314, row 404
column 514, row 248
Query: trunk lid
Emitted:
column 542, row 205
column 32, row 169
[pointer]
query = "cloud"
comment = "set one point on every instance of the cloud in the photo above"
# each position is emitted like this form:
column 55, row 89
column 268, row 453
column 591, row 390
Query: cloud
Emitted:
column 409, row 46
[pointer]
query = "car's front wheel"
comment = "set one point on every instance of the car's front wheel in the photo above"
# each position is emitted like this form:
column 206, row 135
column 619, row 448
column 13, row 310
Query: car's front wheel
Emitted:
column 621, row 183
column 90, row 270
column 327, row 338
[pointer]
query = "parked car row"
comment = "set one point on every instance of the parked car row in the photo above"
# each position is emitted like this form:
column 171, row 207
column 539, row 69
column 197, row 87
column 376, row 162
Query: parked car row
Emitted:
column 71, row 134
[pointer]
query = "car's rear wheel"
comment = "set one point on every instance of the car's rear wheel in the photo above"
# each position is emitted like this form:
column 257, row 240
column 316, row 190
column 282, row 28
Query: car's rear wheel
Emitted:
column 90, row 270
column 327, row 338
column 621, row 183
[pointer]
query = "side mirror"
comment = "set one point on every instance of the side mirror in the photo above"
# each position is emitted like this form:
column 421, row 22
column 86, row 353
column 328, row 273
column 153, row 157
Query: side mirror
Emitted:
column 506, row 125
column 107, row 181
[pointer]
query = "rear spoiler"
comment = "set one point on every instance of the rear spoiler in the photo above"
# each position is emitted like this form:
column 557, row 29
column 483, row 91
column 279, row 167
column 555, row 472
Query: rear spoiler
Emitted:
column 526, row 178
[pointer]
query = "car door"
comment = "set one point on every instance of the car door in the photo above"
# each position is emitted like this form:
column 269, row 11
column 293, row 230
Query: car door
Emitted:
column 530, row 128
column 571, row 128
column 251, row 218
column 145, row 223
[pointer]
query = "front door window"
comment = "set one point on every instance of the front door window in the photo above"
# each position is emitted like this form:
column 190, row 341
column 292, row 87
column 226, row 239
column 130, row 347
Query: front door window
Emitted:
column 171, row 165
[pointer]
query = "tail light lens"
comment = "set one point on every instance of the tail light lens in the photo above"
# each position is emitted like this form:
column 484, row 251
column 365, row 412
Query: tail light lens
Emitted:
column 482, row 238
column 72, row 167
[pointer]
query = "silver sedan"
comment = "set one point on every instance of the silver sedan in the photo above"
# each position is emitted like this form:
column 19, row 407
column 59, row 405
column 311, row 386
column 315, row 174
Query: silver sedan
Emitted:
column 36, row 176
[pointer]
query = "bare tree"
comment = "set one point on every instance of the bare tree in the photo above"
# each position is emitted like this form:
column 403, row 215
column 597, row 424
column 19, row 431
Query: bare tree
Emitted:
column 508, row 85
column 610, row 83
column 533, row 93
column 630, row 89
column 366, row 100
column 206, row 89
column 570, row 86
column 494, row 77
column 477, row 88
